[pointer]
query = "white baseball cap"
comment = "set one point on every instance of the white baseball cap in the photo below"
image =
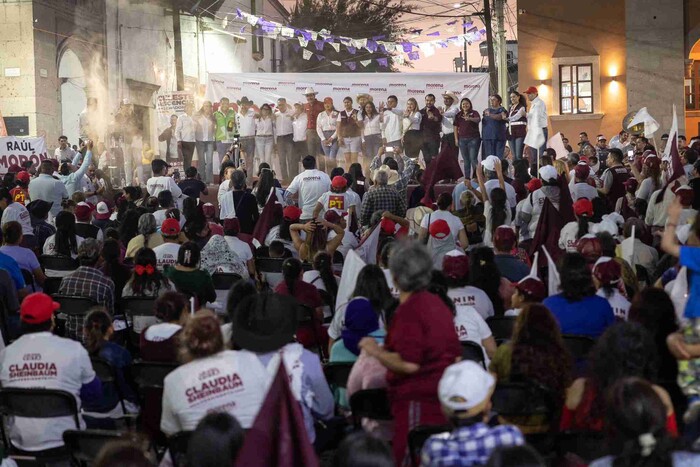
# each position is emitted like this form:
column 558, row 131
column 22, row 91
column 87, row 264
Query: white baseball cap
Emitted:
column 548, row 172
column 490, row 163
column 103, row 211
column 466, row 386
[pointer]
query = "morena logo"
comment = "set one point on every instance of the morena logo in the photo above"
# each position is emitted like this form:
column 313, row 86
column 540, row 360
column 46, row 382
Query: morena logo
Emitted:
column 434, row 86
column 397, row 85
column 254, row 83
column 324, row 84
column 268, row 88
column 415, row 92
column 217, row 81
column 300, row 88
column 377, row 90
column 472, row 86
column 365, row 85
column 285, row 83
column 234, row 88
column 341, row 89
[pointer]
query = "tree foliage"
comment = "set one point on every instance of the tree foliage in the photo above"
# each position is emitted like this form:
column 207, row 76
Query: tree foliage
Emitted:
column 356, row 19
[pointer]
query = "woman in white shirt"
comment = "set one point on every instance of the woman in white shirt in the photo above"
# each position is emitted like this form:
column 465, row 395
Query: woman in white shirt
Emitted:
column 264, row 134
column 64, row 242
column 607, row 275
column 496, row 210
column 571, row 232
column 371, row 130
column 326, row 127
column 650, row 177
column 412, row 137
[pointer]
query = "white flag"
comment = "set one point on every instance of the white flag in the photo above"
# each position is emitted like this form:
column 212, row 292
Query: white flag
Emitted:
column 303, row 42
column 650, row 125
column 287, row 32
column 351, row 269
column 557, row 143
column 367, row 250
column 335, row 62
column 672, row 134
column 307, row 54
column 314, row 35
column 554, row 280
column 428, row 49
column 535, row 265
column 627, row 248
column 365, row 62
column 335, row 45
column 252, row 20
column 679, row 293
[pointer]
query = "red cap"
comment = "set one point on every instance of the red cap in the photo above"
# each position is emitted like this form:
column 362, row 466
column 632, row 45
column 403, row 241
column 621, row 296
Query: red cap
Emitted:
column 37, row 308
column 339, row 182
column 583, row 207
column 208, row 210
column 607, row 271
column 589, row 246
column 291, row 213
column 170, row 227
column 652, row 161
column 583, row 159
column 532, row 288
column 82, row 212
column 388, row 226
column 685, row 195
column 232, row 224
column 631, row 183
column 531, row 90
column 504, row 238
column 334, row 216
column 582, row 171
column 439, row 229
column 23, row 176
column 533, row 185
column 455, row 266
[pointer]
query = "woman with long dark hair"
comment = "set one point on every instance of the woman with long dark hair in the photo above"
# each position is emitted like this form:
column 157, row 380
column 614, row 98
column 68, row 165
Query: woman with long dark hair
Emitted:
column 113, row 267
column 265, row 185
column 358, row 180
column 147, row 280
column 517, row 124
column 577, row 308
column 467, row 136
column 485, row 275
column 64, row 242
column 573, row 231
column 496, row 209
column 536, row 352
column 129, row 225
column 650, row 178
column 624, row 350
column 521, row 176
column 322, row 276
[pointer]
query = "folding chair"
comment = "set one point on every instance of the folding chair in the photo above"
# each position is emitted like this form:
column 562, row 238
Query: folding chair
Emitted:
column 58, row 265
column 149, row 378
column 139, row 313
column 271, row 268
column 84, row 445
column 108, row 377
column 524, row 400
column 419, row 435
column 177, row 446
column 501, row 327
column 370, row 403
column 473, row 351
column 52, row 285
column 337, row 373
column 579, row 346
column 75, row 309
column 224, row 280
column 37, row 403
column 28, row 279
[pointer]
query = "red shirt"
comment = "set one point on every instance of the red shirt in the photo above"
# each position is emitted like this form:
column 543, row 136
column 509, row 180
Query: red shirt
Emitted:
column 466, row 128
column 422, row 332
column 312, row 111
column 305, row 293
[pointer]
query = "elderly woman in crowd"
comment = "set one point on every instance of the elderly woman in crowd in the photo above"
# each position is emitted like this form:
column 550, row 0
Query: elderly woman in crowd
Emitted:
column 421, row 342
column 148, row 235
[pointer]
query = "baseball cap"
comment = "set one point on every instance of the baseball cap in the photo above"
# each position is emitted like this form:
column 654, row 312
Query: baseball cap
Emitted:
column 208, row 210
column 291, row 213
column 548, row 172
column 388, row 226
column 103, row 211
column 455, row 264
column 583, row 206
column 582, row 171
column 602, row 138
column 631, row 183
column 685, row 194
column 533, row 185
column 466, row 386
column 37, row 308
column 339, row 182
column 82, row 211
column 607, row 271
column 439, row 229
column 232, row 224
column 22, row 176
column 504, row 238
column 652, row 160
column 531, row 90
column 490, row 163
column 170, row 227
column 532, row 287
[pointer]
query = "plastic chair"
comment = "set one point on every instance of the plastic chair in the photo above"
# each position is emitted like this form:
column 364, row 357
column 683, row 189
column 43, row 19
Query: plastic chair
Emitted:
column 37, row 403
column 269, row 264
column 579, row 346
column 473, row 351
column 419, row 435
column 177, row 446
column 224, row 280
column 108, row 376
column 58, row 263
column 370, row 403
column 76, row 308
column 149, row 378
column 139, row 313
column 501, row 327
column 522, row 399
column 337, row 373
column 28, row 279
column 84, row 445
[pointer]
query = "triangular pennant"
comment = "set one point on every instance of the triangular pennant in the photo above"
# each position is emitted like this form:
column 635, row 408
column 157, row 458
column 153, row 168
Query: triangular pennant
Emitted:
column 427, row 49
column 383, row 62
column 287, row 32
column 352, row 49
column 319, row 45
column 320, row 57
column 314, row 35
column 351, row 65
column 371, row 46
column 239, row 13
column 399, row 59
column 307, row 54
column 303, row 42
column 434, row 34
column 553, row 275
column 407, row 47
column 253, row 20
column 365, row 62
column 414, row 56
column 335, row 62
column 335, row 45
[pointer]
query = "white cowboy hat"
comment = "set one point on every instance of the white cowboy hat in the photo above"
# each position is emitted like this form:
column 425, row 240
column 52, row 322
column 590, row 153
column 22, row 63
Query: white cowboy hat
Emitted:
column 393, row 174
column 308, row 91
column 452, row 95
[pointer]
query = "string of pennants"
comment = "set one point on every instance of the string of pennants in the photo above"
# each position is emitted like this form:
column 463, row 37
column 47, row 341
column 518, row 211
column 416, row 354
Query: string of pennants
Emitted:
column 412, row 50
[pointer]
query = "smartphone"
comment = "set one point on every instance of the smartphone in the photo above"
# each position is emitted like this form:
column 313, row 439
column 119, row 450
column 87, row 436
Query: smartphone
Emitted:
column 630, row 154
column 389, row 149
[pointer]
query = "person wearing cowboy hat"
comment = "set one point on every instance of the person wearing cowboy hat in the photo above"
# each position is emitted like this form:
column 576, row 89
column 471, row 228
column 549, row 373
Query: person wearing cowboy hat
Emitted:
column 313, row 107
column 245, row 121
column 448, row 115
column 382, row 198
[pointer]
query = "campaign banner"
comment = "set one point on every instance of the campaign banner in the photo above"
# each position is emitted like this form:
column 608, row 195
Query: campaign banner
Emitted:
column 16, row 150
column 264, row 88
column 167, row 105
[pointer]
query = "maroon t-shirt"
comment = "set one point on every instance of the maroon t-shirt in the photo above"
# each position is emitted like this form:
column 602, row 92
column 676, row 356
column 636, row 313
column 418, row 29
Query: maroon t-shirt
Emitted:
column 466, row 128
column 422, row 332
column 305, row 293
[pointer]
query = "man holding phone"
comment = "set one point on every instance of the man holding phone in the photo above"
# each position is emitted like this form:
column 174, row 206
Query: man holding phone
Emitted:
column 614, row 177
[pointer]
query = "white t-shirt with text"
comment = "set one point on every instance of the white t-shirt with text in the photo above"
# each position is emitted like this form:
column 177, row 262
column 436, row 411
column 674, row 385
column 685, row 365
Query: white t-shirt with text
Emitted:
column 166, row 254
column 311, row 185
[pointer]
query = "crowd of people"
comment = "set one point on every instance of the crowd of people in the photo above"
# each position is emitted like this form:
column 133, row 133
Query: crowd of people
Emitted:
column 572, row 281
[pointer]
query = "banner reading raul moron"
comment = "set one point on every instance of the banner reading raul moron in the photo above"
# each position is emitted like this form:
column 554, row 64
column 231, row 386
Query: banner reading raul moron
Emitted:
column 268, row 87
column 14, row 150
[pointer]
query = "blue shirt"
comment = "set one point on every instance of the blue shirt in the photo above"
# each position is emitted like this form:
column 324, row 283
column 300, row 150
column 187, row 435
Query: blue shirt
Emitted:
column 493, row 129
column 10, row 265
column 468, row 445
column 690, row 258
column 588, row 317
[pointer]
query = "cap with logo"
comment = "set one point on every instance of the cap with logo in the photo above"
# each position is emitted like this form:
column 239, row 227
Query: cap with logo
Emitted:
column 170, row 227
column 466, row 387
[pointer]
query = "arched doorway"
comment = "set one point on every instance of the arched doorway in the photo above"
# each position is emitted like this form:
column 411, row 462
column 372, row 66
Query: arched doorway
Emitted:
column 73, row 95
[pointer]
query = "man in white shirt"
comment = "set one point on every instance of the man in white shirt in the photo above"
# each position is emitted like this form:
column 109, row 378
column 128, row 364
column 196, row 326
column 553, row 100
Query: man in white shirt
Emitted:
column 64, row 152
column 579, row 185
column 309, row 185
column 284, row 134
column 392, row 123
column 47, row 188
column 185, row 134
column 166, row 254
column 40, row 359
column 448, row 115
column 246, row 129
column 536, row 118
column 160, row 181
column 299, row 124
column 337, row 199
